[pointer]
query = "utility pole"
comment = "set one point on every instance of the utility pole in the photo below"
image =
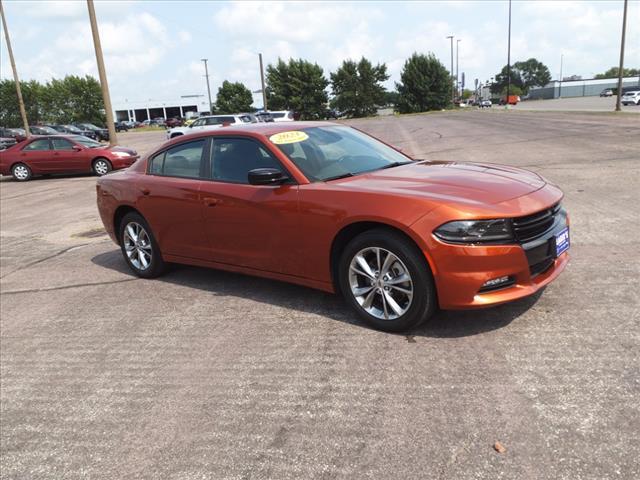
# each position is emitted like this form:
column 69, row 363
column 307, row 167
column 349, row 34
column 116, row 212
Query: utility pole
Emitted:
column 23, row 112
column 264, row 91
column 458, row 89
column 620, row 69
column 560, row 89
column 509, row 60
column 102, row 74
column 206, row 74
column 451, row 79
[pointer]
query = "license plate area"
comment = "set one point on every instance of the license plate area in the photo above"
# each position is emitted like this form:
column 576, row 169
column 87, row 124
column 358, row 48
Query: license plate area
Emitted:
column 562, row 242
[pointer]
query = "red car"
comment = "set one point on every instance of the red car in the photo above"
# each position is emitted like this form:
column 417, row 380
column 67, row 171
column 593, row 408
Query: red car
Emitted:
column 62, row 154
column 329, row 207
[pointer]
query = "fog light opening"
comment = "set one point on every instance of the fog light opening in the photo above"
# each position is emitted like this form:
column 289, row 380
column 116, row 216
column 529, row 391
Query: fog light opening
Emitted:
column 497, row 283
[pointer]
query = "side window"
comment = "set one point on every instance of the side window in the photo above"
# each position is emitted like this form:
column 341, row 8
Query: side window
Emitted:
column 61, row 144
column 199, row 122
column 37, row 145
column 183, row 160
column 233, row 158
column 213, row 121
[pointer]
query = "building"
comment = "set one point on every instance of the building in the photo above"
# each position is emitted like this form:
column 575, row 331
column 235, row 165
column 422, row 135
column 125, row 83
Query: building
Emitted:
column 581, row 88
column 165, row 108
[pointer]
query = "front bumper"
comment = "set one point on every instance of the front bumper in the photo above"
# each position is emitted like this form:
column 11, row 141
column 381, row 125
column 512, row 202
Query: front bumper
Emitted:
column 462, row 270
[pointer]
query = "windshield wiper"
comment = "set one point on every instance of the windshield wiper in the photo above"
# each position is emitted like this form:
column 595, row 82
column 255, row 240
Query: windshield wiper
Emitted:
column 344, row 175
column 394, row 164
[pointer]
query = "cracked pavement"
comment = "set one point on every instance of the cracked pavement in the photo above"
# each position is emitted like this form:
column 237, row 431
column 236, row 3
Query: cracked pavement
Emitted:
column 211, row 375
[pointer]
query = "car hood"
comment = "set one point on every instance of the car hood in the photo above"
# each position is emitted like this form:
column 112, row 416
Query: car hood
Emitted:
column 450, row 181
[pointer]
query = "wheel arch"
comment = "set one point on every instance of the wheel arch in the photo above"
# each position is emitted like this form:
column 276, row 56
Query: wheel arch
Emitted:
column 352, row 230
column 119, row 214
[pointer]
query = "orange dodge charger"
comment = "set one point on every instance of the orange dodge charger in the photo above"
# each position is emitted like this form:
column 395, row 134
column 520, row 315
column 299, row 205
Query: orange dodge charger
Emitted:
column 327, row 206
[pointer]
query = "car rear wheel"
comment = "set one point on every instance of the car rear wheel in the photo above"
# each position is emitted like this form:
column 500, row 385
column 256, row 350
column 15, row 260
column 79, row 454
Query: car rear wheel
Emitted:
column 101, row 166
column 139, row 247
column 385, row 278
column 21, row 172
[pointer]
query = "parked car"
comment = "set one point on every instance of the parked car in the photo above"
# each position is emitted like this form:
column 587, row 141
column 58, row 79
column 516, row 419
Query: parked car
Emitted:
column 62, row 154
column 6, row 142
column 70, row 129
column 484, row 104
column 132, row 123
column 331, row 114
column 17, row 133
column 206, row 123
column 283, row 116
column 607, row 92
column 631, row 97
column 42, row 130
column 327, row 206
column 121, row 127
column 100, row 133
column 173, row 122
column 159, row 121
column 264, row 117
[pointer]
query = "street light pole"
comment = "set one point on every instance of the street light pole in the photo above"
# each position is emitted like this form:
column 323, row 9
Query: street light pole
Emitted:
column 621, row 67
column 106, row 98
column 458, row 90
column 23, row 112
column 451, row 79
column 264, row 91
column 509, row 60
column 206, row 74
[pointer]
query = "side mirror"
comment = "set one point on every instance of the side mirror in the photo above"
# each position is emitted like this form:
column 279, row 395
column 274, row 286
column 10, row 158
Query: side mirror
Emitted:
column 77, row 148
column 267, row 176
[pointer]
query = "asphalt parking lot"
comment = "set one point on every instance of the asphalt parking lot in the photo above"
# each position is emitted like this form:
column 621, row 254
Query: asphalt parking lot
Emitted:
column 209, row 375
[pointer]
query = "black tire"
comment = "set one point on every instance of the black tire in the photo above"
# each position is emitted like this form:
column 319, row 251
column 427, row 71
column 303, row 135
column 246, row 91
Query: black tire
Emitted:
column 101, row 166
column 423, row 302
column 156, row 266
column 21, row 172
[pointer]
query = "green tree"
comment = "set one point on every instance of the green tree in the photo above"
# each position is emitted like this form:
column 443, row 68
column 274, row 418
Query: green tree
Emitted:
column 9, row 109
column 524, row 75
column 613, row 72
column 298, row 85
column 72, row 99
column 233, row 97
column 357, row 87
column 425, row 84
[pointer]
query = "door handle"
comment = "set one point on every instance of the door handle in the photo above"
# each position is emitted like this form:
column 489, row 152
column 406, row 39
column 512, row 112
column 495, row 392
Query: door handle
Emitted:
column 145, row 191
column 210, row 201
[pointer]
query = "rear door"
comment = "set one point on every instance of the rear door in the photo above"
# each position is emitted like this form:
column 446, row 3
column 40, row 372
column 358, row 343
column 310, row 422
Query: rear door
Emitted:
column 37, row 155
column 171, row 202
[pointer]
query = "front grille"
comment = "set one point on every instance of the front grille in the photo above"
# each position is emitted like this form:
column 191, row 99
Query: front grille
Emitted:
column 541, row 267
column 533, row 226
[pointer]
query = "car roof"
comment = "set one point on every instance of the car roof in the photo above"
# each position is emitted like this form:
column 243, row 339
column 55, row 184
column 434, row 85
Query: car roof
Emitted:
column 252, row 129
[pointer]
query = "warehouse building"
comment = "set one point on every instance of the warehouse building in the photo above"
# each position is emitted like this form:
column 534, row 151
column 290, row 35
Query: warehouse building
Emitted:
column 148, row 109
column 581, row 88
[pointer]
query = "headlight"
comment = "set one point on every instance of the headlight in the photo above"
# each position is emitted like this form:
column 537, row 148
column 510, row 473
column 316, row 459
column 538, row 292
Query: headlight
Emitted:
column 475, row 231
column 121, row 154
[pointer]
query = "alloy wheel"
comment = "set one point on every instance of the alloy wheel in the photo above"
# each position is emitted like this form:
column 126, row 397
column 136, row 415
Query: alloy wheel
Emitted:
column 137, row 245
column 381, row 283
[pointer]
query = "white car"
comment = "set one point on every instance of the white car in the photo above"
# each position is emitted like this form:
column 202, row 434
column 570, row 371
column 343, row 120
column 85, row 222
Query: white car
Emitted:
column 631, row 97
column 282, row 116
column 210, row 122
column 485, row 104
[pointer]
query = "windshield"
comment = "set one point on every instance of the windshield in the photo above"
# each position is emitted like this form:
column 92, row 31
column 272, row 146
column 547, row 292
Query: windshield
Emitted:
column 89, row 126
column 72, row 129
column 326, row 153
column 45, row 130
column 87, row 142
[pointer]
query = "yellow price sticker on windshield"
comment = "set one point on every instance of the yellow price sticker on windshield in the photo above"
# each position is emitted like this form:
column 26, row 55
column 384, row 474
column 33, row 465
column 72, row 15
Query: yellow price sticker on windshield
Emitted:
column 283, row 138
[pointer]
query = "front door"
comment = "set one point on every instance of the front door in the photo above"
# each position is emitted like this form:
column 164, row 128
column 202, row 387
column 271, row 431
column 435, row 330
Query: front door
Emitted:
column 248, row 225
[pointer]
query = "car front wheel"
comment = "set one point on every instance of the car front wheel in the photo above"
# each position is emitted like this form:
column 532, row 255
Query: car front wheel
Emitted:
column 139, row 247
column 385, row 278
column 21, row 172
column 101, row 166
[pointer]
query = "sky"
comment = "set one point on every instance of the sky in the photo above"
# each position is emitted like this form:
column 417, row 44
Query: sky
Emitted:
column 152, row 49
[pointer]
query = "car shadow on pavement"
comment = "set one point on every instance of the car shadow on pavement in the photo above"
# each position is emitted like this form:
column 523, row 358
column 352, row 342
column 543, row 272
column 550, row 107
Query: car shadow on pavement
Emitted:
column 444, row 324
